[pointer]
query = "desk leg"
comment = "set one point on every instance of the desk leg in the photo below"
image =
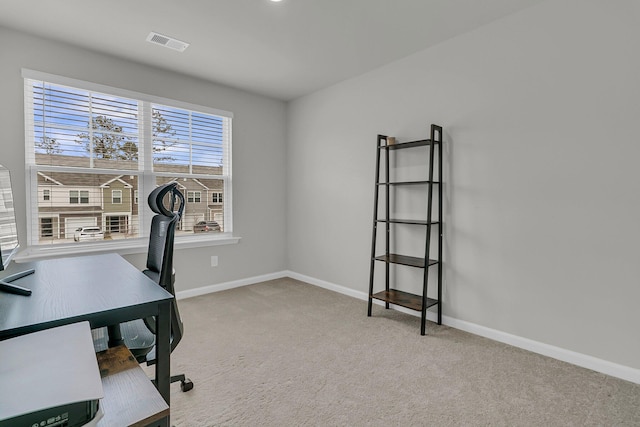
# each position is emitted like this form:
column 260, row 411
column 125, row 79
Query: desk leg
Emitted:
column 115, row 336
column 163, row 349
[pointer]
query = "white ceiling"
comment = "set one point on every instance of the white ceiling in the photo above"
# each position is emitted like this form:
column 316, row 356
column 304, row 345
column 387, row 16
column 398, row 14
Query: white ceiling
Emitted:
column 283, row 50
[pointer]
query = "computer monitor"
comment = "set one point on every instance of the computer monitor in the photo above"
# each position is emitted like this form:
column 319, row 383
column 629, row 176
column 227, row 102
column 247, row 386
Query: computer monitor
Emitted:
column 9, row 236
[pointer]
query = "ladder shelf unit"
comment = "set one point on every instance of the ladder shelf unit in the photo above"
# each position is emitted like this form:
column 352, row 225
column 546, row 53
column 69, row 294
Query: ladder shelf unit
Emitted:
column 396, row 296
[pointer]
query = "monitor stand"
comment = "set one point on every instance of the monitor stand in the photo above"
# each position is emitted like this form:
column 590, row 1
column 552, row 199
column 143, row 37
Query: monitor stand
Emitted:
column 7, row 286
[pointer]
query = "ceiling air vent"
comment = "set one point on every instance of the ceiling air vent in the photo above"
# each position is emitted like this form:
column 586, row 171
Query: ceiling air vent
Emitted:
column 166, row 41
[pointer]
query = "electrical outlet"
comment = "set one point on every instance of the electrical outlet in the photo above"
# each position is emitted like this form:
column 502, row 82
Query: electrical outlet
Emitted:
column 214, row 261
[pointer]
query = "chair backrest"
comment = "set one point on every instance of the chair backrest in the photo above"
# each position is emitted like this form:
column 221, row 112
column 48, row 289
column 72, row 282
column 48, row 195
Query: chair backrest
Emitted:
column 167, row 202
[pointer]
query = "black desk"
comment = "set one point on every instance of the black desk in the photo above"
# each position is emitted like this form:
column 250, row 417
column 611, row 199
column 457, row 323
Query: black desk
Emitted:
column 102, row 289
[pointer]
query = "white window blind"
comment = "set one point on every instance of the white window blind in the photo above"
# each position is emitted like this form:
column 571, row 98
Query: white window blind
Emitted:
column 80, row 128
column 91, row 150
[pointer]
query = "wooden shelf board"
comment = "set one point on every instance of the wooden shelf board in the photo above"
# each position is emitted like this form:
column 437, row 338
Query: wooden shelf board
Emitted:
column 409, row 144
column 130, row 397
column 411, row 261
column 407, row 182
column 404, row 299
column 409, row 221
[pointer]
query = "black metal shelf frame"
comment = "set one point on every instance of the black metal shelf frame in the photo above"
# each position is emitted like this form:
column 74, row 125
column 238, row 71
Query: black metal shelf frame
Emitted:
column 395, row 296
column 406, row 183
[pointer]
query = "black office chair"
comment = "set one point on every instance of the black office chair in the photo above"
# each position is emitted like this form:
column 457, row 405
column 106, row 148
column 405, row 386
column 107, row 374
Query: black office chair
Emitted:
column 139, row 335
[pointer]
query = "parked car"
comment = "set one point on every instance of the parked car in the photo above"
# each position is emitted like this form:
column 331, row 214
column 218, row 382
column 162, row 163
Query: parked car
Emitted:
column 85, row 234
column 205, row 226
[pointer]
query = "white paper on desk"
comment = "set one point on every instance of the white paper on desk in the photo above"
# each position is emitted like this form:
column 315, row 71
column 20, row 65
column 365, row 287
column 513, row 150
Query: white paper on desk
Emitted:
column 53, row 367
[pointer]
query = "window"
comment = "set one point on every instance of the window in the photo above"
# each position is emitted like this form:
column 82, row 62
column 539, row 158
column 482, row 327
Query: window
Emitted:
column 216, row 198
column 46, row 227
column 116, row 197
column 98, row 149
column 193, row 196
column 76, row 197
column 117, row 224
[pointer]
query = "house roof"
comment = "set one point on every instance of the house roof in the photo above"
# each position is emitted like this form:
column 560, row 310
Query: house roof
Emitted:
column 80, row 179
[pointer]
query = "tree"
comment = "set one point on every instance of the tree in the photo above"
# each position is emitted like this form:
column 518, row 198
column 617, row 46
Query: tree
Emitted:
column 110, row 142
column 106, row 139
column 129, row 151
column 49, row 145
column 161, row 129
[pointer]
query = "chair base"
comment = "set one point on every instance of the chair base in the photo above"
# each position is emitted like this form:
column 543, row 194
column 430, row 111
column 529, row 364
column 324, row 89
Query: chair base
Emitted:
column 185, row 383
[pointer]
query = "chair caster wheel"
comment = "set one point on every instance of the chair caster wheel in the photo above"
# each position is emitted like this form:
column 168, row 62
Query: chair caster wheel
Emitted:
column 186, row 385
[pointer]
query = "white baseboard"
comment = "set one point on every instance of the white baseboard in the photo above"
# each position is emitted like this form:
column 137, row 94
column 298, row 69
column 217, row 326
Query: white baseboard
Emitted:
column 327, row 285
column 229, row 285
column 599, row 365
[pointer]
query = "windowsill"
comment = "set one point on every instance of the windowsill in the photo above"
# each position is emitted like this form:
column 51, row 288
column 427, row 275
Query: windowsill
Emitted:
column 122, row 247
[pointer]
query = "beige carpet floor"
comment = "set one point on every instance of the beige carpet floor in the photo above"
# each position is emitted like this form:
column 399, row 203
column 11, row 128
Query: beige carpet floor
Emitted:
column 285, row 353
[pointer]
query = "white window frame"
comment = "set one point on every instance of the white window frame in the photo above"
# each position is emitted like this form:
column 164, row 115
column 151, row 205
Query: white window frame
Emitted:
column 113, row 197
column 194, row 196
column 147, row 177
column 218, row 198
column 79, row 197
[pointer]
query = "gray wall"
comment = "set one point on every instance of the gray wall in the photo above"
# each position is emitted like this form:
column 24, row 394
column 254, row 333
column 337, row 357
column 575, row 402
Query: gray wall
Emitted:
column 541, row 114
column 541, row 122
column 258, row 150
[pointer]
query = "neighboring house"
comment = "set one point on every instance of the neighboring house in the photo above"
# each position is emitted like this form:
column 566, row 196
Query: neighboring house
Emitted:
column 120, row 212
column 203, row 201
column 203, row 196
column 67, row 201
